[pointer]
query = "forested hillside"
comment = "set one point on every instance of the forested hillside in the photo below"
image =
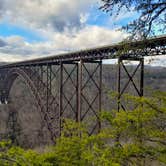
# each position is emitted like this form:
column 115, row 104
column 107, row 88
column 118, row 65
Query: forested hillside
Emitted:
column 29, row 129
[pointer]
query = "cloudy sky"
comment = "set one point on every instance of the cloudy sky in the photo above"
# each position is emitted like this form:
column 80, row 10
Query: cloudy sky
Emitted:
column 38, row 28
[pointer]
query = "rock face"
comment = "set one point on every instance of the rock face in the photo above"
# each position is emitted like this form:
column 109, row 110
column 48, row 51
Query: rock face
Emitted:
column 22, row 123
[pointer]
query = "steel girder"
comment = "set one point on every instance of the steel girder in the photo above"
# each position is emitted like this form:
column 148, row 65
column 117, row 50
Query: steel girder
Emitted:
column 61, row 91
column 148, row 47
column 62, row 84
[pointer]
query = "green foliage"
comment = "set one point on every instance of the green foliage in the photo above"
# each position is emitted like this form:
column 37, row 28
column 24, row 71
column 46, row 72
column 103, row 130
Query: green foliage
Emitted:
column 132, row 137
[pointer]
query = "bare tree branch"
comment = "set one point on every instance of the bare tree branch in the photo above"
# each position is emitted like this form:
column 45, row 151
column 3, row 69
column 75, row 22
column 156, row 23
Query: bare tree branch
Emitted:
column 152, row 15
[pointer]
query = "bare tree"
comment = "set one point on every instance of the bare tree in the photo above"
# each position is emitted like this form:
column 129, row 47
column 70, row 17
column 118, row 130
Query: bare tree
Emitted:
column 151, row 15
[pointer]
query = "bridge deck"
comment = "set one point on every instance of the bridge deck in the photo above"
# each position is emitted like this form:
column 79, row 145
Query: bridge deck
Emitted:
column 148, row 47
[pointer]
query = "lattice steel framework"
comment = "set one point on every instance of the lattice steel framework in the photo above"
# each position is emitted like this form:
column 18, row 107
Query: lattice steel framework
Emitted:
column 70, row 85
column 90, row 99
column 137, row 86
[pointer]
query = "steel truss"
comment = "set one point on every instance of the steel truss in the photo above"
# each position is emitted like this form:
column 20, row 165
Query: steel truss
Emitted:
column 68, row 94
column 90, row 99
column 135, row 87
column 70, row 85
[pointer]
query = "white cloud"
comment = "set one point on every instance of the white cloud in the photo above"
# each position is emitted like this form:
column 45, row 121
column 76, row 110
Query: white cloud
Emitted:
column 90, row 36
column 63, row 23
column 17, row 49
column 57, row 14
column 10, row 57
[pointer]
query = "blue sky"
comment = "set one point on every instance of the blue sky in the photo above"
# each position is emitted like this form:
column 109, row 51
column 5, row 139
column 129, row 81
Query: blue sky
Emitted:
column 95, row 17
column 39, row 28
column 7, row 30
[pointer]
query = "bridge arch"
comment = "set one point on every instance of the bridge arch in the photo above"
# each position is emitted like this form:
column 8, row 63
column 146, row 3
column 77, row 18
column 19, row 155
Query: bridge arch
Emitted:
column 25, row 74
column 12, row 75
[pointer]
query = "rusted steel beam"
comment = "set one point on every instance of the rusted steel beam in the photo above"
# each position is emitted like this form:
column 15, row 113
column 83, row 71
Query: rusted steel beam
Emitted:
column 100, row 94
column 142, row 78
column 60, row 98
column 138, row 88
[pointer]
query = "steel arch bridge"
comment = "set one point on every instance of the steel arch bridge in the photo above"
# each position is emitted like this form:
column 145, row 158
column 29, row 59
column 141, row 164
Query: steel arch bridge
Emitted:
column 48, row 79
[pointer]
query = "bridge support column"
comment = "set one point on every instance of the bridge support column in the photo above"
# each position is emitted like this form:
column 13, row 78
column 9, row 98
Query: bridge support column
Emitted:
column 68, row 92
column 13, row 126
column 134, row 84
column 89, row 96
column 3, row 96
